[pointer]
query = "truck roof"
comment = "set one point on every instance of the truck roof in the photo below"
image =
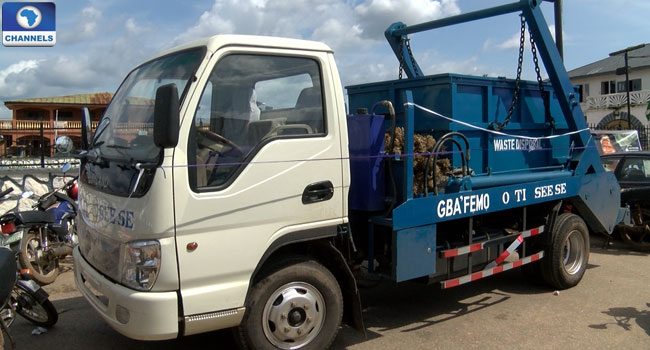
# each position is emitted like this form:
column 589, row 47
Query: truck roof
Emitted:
column 215, row 42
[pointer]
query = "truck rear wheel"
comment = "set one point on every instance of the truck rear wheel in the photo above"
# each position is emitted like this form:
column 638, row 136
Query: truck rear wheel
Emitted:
column 567, row 254
column 297, row 305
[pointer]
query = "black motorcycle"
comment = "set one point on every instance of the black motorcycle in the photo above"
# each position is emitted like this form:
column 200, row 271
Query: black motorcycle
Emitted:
column 19, row 294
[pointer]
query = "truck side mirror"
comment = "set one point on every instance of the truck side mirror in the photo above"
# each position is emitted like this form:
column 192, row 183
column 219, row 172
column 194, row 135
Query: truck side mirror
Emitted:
column 166, row 117
column 86, row 129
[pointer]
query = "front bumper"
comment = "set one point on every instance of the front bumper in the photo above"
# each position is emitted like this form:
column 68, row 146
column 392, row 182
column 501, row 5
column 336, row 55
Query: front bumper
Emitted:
column 137, row 315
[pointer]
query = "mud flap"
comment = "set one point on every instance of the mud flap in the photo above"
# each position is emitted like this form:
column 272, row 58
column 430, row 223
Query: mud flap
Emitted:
column 352, row 315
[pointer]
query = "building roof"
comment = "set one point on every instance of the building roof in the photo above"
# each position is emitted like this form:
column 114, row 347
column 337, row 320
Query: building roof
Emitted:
column 639, row 58
column 98, row 98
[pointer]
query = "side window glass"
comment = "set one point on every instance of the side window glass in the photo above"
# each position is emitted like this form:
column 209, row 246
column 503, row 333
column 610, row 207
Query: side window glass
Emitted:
column 633, row 170
column 610, row 163
column 251, row 100
column 646, row 167
column 293, row 102
column 204, row 110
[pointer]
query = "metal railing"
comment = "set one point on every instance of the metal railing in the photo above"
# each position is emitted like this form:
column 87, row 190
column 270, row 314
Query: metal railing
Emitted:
column 34, row 138
column 617, row 100
column 16, row 125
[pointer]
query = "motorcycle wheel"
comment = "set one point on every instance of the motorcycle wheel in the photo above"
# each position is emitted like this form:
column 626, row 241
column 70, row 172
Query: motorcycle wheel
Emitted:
column 44, row 314
column 44, row 272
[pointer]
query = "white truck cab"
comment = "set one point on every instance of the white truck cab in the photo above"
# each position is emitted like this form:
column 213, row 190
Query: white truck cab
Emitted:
column 199, row 231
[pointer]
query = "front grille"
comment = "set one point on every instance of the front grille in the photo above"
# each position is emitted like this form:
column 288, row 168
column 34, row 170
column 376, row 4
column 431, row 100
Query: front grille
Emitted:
column 101, row 252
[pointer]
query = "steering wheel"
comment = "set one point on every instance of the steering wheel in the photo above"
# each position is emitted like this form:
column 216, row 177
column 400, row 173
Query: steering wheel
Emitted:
column 216, row 137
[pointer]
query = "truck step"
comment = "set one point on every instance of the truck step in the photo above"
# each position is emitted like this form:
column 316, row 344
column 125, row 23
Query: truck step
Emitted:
column 450, row 253
column 490, row 271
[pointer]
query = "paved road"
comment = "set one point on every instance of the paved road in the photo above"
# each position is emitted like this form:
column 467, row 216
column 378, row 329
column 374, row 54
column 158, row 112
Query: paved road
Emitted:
column 610, row 309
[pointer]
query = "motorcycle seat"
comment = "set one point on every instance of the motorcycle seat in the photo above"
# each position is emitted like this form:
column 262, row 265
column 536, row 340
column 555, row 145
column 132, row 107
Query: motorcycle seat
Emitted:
column 34, row 217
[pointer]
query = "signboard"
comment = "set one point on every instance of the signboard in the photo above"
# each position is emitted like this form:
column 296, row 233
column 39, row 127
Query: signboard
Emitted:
column 612, row 141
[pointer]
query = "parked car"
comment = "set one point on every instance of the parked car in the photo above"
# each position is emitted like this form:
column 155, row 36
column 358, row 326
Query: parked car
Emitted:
column 632, row 169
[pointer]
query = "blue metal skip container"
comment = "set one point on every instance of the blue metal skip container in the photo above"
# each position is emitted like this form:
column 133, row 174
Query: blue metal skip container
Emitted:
column 366, row 145
column 477, row 101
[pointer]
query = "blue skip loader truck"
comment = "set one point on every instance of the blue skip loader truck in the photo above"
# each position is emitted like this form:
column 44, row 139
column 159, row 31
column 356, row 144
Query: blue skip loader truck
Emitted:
column 226, row 187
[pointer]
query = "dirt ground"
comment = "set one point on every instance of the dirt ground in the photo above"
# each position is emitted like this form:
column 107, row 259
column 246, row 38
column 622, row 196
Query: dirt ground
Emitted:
column 609, row 309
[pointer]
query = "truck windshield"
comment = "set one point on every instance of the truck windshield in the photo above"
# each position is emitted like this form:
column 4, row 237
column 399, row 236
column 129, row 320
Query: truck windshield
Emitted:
column 126, row 129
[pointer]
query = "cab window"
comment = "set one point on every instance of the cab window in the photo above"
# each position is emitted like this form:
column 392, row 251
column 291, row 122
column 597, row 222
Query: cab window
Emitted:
column 249, row 101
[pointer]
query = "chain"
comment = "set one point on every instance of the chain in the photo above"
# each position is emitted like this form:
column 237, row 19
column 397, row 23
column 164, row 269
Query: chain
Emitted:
column 522, row 41
column 401, row 61
column 408, row 48
column 406, row 42
column 547, row 110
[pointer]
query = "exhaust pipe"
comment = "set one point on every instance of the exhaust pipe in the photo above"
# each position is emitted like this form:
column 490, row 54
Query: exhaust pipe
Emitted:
column 59, row 252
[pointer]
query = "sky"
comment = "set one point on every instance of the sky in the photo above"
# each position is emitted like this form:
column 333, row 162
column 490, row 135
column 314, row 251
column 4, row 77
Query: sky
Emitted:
column 99, row 42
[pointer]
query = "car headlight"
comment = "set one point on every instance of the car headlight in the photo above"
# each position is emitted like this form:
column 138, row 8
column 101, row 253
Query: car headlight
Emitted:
column 140, row 264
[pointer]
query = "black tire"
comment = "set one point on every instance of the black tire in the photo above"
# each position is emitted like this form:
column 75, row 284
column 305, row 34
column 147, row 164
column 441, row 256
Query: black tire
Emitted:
column 43, row 314
column 44, row 273
column 298, row 304
column 567, row 254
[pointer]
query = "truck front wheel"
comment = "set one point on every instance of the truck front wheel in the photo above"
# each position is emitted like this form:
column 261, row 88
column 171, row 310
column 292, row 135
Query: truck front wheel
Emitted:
column 297, row 305
column 568, row 252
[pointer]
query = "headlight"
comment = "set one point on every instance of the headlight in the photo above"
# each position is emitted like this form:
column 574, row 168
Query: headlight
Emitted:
column 140, row 264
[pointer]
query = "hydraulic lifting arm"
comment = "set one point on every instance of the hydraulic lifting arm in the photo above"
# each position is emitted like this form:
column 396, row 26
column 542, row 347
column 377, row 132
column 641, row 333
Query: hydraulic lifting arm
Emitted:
column 397, row 35
column 584, row 160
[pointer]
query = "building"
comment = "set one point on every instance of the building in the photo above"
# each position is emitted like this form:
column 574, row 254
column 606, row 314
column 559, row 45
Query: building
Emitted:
column 603, row 92
column 60, row 115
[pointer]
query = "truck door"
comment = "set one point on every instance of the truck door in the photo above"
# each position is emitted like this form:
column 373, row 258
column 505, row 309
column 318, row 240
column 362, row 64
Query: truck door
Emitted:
column 260, row 158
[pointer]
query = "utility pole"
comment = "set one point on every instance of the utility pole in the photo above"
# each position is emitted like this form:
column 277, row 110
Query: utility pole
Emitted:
column 626, row 70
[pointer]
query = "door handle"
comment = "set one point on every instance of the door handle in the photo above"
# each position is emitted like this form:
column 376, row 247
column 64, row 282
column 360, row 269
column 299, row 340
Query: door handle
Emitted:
column 318, row 192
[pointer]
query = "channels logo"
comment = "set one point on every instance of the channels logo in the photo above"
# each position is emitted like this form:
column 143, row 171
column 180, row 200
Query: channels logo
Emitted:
column 28, row 24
